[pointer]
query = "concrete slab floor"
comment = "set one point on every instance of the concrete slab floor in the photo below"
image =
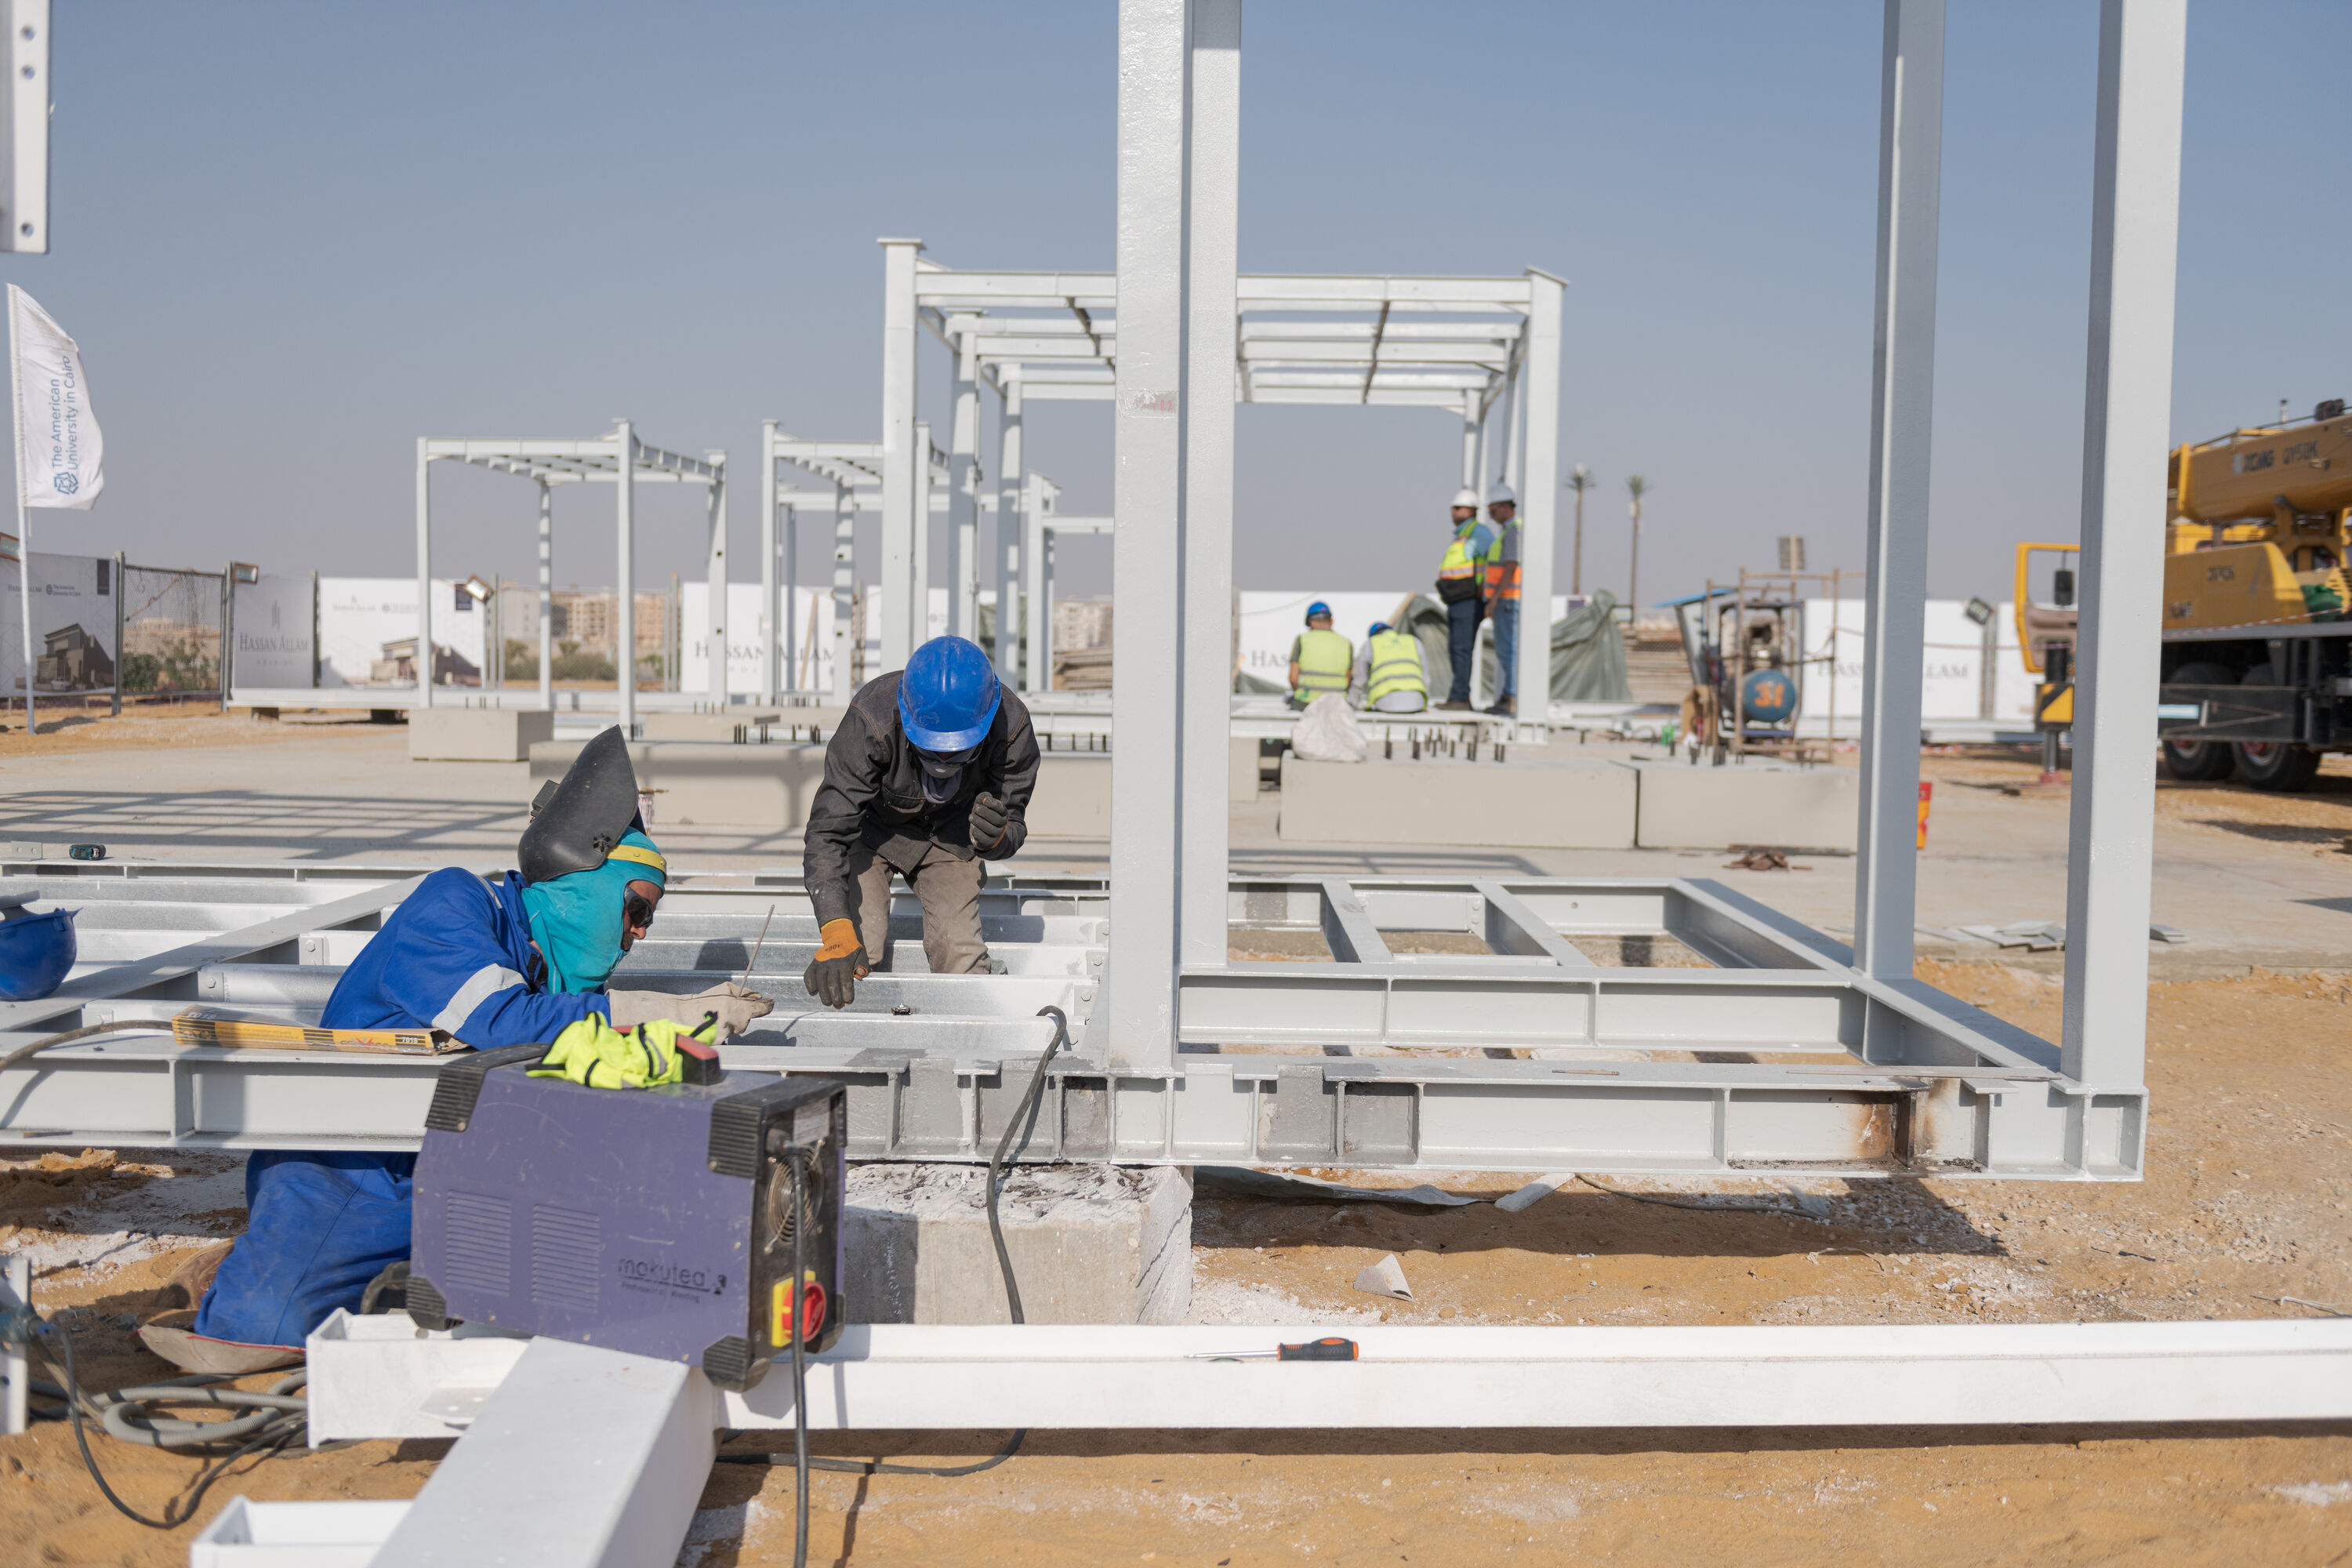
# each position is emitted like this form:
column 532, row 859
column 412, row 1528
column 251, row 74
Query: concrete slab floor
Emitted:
column 2252, row 878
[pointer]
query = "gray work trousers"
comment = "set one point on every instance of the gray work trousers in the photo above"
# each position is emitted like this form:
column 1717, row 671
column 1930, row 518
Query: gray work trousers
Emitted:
column 949, row 891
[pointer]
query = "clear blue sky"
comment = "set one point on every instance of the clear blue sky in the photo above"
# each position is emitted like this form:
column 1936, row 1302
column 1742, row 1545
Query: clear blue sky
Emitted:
column 293, row 238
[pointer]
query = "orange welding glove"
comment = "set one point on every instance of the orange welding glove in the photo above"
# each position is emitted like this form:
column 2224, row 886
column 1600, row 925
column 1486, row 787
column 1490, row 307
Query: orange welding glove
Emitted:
column 840, row 965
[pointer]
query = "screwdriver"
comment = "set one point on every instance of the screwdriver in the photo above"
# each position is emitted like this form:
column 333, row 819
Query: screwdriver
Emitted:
column 1330, row 1348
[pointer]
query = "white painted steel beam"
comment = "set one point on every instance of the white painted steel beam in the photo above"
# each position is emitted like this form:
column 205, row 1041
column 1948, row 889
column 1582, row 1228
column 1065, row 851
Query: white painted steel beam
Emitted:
column 1538, row 499
column 377, row 1378
column 1147, row 575
column 1205, row 624
column 900, row 627
column 624, row 607
column 2126, row 418
column 963, row 501
column 715, row 615
column 578, row 1457
column 1009, row 475
column 546, row 598
column 1902, row 412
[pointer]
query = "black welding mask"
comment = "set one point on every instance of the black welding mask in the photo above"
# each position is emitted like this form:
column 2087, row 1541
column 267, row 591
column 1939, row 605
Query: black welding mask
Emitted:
column 575, row 821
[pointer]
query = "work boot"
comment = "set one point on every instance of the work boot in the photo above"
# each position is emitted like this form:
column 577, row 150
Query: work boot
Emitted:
column 1450, row 707
column 1508, row 708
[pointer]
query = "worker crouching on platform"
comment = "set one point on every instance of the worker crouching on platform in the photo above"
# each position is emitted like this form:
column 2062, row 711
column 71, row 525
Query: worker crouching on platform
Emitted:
column 1319, row 658
column 1388, row 676
column 512, row 962
column 929, row 771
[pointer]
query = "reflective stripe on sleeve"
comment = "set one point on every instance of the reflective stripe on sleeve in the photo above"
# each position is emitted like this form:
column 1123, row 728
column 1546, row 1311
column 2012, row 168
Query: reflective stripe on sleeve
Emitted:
column 480, row 987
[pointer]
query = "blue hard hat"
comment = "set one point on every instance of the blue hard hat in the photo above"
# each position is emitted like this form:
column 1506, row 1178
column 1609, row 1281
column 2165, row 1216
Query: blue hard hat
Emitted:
column 1318, row 608
column 35, row 951
column 1377, row 627
column 948, row 696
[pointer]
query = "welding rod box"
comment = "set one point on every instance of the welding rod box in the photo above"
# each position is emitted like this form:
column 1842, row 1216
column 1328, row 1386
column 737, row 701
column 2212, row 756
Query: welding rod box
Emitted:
column 654, row 1221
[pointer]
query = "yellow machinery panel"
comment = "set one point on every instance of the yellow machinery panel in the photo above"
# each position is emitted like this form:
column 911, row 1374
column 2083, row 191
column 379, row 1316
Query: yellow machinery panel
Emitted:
column 2305, row 467
column 2231, row 586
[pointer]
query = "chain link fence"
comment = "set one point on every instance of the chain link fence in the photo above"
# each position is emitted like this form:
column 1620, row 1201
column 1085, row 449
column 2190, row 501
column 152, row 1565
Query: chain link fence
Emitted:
column 171, row 642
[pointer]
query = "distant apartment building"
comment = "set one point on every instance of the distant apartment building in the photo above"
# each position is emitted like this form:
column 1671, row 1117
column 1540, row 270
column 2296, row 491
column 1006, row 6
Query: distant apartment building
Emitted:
column 586, row 618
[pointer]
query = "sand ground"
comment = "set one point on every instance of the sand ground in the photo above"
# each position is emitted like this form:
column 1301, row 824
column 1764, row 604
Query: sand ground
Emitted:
column 2244, row 1214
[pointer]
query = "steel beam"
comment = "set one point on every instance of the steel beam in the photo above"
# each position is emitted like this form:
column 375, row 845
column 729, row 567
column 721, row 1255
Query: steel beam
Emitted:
column 1538, row 500
column 899, row 452
column 2126, row 418
column 423, row 577
column 624, row 607
column 546, row 598
column 378, row 1378
column 1008, row 478
column 714, row 591
column 771, row 607
column 1205, row 627
column 963, row 501
column 1902, row 411
column 1148, row 557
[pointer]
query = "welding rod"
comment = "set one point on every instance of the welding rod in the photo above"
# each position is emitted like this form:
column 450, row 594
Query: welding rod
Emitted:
column 758, row 945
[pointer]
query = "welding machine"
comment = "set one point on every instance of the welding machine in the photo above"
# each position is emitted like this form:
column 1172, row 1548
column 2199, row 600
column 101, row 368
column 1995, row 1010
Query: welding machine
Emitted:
column 657, row 1221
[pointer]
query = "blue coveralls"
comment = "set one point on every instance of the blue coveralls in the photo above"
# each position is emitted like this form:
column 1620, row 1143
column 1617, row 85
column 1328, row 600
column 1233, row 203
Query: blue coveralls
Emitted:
column 455, row 955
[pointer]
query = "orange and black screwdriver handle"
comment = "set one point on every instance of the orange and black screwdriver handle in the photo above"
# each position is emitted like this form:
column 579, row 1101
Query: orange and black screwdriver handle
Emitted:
column 1330, row 1348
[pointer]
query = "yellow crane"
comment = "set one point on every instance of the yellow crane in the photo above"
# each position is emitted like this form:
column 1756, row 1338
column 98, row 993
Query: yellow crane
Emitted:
column 2257, row 638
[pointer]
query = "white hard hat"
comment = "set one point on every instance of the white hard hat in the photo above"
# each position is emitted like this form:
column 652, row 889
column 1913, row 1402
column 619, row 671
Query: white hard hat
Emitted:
column 1499, row 492
column 1467, row 496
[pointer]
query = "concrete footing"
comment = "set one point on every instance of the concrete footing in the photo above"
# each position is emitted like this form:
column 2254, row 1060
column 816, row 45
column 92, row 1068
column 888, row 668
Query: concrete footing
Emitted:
column 1770, row 803
column 476, row 734
column 1090, row 1243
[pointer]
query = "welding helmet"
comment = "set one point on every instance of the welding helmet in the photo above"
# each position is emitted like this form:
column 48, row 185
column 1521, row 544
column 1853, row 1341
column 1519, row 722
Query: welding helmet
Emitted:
column 1318, row 608
column 576, row 822
column 948, row 696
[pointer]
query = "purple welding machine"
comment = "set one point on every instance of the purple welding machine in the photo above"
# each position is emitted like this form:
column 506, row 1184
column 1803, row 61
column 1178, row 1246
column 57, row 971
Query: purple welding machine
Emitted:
column 655, row 1221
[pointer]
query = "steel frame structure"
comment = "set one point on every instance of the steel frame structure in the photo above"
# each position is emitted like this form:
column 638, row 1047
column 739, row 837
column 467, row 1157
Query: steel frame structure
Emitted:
column 619, row 459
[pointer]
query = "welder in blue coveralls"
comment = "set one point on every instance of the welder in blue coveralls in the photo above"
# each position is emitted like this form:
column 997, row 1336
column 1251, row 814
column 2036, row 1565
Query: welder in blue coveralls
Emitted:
column 492, row 964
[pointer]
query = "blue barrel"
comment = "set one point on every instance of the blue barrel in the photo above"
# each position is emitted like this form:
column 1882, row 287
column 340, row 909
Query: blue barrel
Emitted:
column 1771, row 697
column 35, row 951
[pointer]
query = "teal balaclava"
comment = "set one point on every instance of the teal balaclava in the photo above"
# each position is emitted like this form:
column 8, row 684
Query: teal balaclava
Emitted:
column 576, row 919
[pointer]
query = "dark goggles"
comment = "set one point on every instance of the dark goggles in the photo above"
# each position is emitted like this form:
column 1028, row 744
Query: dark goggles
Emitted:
column 638, row 911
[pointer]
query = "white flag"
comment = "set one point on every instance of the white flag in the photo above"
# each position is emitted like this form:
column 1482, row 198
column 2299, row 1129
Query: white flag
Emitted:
column 59, row 453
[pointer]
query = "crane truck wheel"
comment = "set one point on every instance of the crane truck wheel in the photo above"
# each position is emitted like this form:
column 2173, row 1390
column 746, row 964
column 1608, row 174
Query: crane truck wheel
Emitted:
column 2281, row 767
column 2200, row 762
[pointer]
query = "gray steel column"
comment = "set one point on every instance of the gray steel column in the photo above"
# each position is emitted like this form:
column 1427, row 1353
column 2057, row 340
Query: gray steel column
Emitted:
column 624, row 608
column 900, row 527
column 1138, row 1012
column 844, row 593
column 1470, row 433
column 1498, row 442
column 1212, row 306
column 918, row 589
column 783, row 617
column 714, row 589
column 769, row 622
column 1009, row 615
column 546, row 597
column 1902, row 409
column 1035, row 607
column 1538, row 499
column 963, row 498
column 2127, row 421
column 423, row 593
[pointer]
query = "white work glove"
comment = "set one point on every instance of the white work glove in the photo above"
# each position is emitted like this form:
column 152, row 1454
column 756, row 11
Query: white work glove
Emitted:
column 736, row 1007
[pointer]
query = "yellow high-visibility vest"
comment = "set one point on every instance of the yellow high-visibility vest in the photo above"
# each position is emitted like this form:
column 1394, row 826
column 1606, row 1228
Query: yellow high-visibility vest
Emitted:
column 1396, row 665
column 1324, row 660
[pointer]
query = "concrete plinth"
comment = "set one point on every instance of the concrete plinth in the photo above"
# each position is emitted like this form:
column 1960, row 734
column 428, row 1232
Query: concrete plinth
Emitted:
column 476, row 734
column 1769, row 803
column 1241, row 772
column 1569, row 804
column 1090, row 1243
column 700, row 726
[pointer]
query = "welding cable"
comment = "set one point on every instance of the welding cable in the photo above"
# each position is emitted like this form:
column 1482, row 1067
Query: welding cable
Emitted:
column 801, row 1460
column 796, row 1162
column 283, row 1427
column 71, row 1035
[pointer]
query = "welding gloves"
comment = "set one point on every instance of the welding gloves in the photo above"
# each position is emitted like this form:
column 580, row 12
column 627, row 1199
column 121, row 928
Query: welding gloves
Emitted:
column 735, row 1005
column 989, row 816
column 841, row 960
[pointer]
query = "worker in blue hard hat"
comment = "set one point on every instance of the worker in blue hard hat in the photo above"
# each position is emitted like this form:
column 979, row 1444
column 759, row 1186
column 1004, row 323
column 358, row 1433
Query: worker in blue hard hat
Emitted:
column 505, row 961
column 1390, row 676
column 1319, row 658
column 927, row 775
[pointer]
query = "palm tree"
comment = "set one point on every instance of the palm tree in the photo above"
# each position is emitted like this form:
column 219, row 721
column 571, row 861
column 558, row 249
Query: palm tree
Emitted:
column 1637, row 487
column 1580, row 480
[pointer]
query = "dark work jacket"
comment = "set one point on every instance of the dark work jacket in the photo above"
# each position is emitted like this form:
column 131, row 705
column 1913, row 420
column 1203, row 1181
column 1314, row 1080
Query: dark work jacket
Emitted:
column 873, row 794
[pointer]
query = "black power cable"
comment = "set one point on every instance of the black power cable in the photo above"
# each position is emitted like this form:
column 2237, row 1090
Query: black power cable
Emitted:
column 802, row 1462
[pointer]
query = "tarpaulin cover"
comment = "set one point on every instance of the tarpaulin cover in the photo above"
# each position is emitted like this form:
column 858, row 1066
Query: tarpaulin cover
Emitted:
column 1588, row 652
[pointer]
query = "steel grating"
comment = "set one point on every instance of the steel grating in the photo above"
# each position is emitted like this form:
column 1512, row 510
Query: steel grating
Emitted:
column 1769, row 1053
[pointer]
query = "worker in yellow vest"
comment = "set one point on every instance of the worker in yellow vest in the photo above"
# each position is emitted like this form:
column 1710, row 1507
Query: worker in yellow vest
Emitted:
column 1461, row 587
column 1319, row 658
column 1503, row 595
column 1390, row 677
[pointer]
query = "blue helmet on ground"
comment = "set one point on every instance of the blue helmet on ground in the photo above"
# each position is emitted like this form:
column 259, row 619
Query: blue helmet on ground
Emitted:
column 949, row 696
column 35, row 952
column 1318, row 608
